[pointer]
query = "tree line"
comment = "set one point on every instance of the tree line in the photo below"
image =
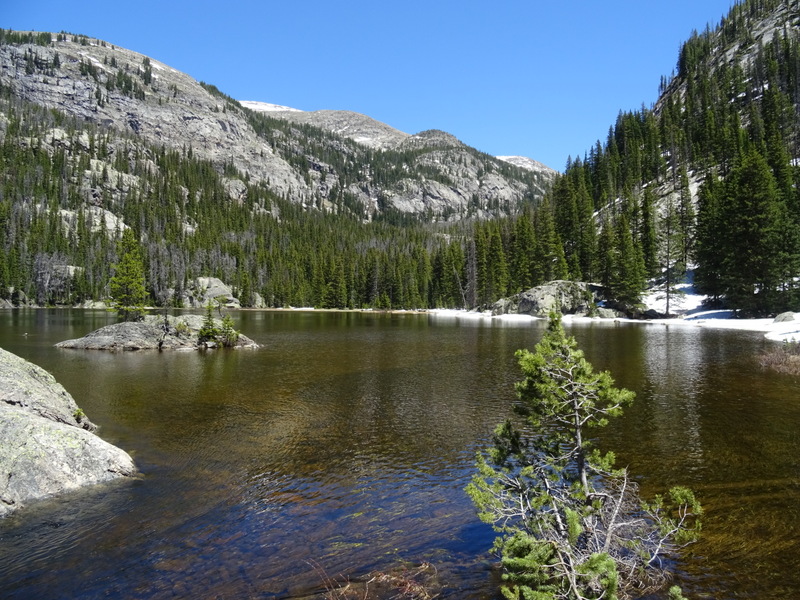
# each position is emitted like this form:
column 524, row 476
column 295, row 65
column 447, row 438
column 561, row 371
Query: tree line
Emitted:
column 705, row 178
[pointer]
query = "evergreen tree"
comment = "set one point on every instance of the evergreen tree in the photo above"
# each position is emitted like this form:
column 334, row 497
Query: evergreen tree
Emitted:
column 521, row 275
column 671, row 250
column 711, row 239
column 648, row 239
column 686, row 222
column 751, row 210
column 628, row 276
column 496, row 269
column 571, row 526
column 128, row 291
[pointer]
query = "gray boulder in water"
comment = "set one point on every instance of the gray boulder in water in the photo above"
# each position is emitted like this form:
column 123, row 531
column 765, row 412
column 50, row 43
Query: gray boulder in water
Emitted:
column 48, row 445
column 154, row 333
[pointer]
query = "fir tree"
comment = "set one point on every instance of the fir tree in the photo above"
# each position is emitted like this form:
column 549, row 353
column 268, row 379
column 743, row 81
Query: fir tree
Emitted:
column 751, row 266
column 128, row 292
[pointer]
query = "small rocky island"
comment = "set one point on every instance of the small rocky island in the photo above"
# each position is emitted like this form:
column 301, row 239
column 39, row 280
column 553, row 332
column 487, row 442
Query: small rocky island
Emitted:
column 48, row 444
column 164, row 332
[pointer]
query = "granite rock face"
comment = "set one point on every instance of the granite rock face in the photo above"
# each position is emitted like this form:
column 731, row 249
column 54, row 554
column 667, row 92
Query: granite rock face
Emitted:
column 48, row 445
column 566, row 297
column 173, row 109
column 322, row 159
column 209, row 289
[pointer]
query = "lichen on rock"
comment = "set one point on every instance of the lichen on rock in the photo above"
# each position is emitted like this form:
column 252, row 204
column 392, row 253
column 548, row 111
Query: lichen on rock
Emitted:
column 48, row 443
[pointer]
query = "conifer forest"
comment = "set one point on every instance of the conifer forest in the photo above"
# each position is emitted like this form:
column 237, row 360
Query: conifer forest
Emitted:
column 705, row 179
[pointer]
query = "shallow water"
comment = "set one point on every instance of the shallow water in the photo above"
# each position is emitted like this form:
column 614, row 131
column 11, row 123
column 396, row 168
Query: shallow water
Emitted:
column 344, row 444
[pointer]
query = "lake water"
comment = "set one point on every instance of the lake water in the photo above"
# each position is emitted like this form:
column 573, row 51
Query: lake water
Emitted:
column 343, row 445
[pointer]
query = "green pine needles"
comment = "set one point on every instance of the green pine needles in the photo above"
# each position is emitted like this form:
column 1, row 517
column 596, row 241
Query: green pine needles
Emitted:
column 128, row 291
column 571, row 525
column 211, row 332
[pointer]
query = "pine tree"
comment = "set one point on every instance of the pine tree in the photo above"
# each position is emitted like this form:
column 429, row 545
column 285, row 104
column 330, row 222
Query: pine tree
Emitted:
column 751, row 210
column 711, row 239
column 128, row 292
column 647, row 234
column 628, row 276
column 570, row 525
column 523, row 247
column 670, row 250
column 496, row 269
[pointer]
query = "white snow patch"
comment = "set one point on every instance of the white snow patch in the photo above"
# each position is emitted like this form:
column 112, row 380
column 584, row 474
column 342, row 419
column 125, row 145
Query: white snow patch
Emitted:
column 447, row 313
column 266, row 106
column 687, row 306
column 525, row 163
column 785, row 332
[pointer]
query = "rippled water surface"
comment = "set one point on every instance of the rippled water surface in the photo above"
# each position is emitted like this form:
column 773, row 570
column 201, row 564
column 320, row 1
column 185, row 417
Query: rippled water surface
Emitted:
column 345, row 442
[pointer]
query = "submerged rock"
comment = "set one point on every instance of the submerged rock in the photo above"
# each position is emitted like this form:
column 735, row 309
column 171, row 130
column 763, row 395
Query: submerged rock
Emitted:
column 154, row 333
column 48, row 445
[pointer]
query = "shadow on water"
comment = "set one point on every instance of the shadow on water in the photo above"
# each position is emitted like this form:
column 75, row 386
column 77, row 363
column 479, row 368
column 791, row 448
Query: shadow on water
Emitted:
column 347, row 439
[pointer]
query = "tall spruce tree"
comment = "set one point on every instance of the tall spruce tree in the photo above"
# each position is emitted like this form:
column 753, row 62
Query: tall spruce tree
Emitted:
column 751, row 210
column 710, row 239
column 127, row 286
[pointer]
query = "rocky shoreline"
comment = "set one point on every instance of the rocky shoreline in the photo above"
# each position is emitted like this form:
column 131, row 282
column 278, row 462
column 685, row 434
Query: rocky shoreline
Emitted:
column 49, row 445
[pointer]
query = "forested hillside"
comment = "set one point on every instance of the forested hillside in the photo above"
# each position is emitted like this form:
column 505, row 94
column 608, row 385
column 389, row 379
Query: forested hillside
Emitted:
column 706, row 177
column 69, row 189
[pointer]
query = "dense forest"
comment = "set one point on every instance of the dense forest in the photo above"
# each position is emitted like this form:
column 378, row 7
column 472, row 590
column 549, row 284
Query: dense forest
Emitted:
column 706, row 178
column 728, row 123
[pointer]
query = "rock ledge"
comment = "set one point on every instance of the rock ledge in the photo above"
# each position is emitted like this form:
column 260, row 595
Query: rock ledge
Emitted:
column 47, row 442
column 151, row 334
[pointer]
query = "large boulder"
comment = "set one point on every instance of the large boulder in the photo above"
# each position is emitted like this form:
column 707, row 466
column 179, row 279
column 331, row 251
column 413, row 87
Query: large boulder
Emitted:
column 48, row 445
column 205, row 290
column 566, row 297
column 154, row 333
column 785, row 317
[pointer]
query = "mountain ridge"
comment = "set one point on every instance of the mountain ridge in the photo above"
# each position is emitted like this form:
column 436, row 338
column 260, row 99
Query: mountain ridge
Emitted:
column 120, row 88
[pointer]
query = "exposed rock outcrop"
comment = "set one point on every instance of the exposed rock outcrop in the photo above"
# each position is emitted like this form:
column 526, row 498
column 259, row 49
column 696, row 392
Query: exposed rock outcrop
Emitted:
column 568, row 297
column 785, row 317
column 48, row 445
column 171, row 108
column 209, row 289
column 359, row 128
column 154, row 333
column 302, row 156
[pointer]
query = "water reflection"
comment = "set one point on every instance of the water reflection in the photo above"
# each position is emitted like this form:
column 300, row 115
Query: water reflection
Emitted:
column 347, row 440
column 674, row 366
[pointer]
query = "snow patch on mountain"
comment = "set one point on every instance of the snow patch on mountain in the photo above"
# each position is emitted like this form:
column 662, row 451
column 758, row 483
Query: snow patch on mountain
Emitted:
column 267, row 107
column 525, row 163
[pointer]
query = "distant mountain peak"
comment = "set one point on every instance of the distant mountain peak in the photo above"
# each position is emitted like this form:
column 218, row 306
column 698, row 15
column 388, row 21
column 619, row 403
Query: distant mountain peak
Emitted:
column 360, row 128
column 526, row 163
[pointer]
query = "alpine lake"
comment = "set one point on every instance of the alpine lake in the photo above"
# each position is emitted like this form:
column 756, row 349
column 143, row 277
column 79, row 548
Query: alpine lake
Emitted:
column 342, row 447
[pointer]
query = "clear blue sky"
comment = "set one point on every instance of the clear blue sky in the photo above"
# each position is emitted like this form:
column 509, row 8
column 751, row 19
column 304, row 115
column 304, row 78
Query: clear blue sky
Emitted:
column 532, row 78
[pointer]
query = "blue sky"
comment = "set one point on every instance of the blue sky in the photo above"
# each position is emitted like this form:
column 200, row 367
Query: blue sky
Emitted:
column 531, row 78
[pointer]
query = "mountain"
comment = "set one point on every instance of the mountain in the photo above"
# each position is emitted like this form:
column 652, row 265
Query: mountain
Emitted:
column 357, row 127
column 525, row 163
column 96, row 140
column 325, row 159
column 333, row 209
column 708, row 175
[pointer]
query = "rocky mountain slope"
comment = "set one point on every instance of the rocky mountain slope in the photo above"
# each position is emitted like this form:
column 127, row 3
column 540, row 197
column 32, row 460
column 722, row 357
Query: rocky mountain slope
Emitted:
column 357, row 127
column 322, row 159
